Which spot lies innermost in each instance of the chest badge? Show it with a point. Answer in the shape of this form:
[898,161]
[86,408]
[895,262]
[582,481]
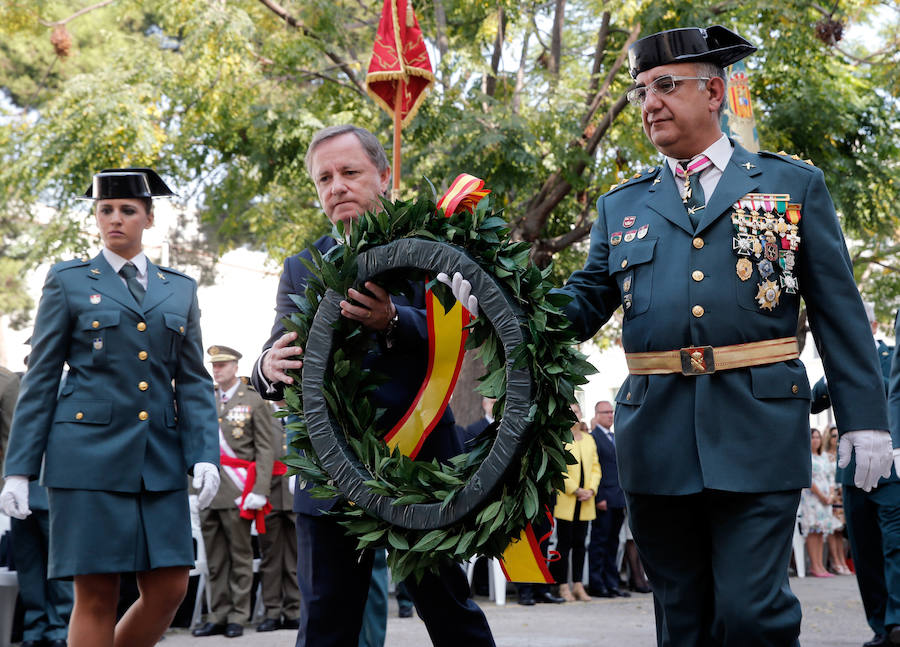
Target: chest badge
[615,239]
[95,299]
[744,268]
[98,343]
[630,235]
[642,232]
[629,221]
[768,294]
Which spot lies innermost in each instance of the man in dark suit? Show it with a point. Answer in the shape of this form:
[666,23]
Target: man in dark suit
[350,171]
[603,579]
[709,255]
[873,518]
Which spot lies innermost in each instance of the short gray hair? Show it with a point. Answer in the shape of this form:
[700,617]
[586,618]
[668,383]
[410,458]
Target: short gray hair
[369,142]
[712,70]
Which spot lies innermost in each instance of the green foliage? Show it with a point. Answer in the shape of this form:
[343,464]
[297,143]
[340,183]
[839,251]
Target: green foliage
[547,353]
[222,98]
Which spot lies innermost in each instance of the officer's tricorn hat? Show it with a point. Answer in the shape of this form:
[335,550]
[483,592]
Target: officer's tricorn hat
[223,354]
[115,183]
[714,44]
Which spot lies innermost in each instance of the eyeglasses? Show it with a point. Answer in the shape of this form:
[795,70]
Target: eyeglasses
[610,411]
[659,86]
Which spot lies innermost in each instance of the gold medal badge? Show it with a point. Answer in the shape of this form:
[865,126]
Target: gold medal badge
[768,294]
[744,268]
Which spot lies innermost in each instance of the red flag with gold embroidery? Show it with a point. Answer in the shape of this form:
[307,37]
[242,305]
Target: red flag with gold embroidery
[399,54]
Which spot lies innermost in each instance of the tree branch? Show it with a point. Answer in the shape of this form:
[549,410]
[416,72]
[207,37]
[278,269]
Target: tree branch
[282,13]
[77,14]
[490,80]
[520,74]
[616,66]
[440,23]
[599,50]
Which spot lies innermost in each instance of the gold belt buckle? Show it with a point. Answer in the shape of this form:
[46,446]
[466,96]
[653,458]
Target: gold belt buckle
[698,360]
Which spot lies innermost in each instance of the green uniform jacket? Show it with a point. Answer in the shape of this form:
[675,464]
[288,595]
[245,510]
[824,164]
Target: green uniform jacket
[137,405]
[249,429]
[741,430]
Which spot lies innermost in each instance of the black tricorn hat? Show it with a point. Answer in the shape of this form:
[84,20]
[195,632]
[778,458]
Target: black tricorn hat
[714,44]
[113,183]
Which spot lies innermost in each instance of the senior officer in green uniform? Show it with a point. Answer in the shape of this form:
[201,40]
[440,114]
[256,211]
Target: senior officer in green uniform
[708,254]
[134,416]
[873,518]
[247,434]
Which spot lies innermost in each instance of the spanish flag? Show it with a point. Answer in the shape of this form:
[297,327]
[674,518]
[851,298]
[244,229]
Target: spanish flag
[399,55]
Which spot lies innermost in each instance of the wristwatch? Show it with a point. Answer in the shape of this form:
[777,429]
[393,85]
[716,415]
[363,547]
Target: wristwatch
[391,327]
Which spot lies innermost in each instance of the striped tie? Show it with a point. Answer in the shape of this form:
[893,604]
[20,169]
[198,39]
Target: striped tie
[693,197]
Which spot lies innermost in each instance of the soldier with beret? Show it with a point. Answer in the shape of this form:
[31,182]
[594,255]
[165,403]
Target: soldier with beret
[134,416]
[247,433]
[708,255]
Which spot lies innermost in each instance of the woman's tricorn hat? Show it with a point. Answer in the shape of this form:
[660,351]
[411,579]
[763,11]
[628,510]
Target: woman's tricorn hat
[714,44]
[114,183]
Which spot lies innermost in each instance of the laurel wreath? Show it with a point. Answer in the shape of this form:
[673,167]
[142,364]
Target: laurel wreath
[548,353]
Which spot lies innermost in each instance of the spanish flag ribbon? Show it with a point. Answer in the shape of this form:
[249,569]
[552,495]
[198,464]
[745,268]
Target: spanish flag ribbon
[399,56]
[465,192]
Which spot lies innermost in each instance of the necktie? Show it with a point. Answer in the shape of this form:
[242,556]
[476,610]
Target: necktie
[611,437]
[693,199]
[129,272]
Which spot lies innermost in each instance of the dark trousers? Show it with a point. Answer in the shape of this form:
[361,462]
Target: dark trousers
[602,551]
[334,581]
[718,565]
[47,603]
[873,528]
[570,536]
[278,566]
[229,554]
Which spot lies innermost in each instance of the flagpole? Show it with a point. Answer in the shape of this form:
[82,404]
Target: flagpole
[398,113]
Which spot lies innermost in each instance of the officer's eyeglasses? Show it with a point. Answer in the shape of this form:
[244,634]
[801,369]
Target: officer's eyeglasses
[659,86]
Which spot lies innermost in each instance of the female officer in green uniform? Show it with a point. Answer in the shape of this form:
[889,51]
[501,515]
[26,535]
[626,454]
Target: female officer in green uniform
[134,415]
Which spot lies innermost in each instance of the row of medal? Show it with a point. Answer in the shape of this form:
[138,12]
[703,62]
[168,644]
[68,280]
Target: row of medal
[766,227]
[238,416]
[628,236]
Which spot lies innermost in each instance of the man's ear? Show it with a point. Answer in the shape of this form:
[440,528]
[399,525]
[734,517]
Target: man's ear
[385,182]
[716,87]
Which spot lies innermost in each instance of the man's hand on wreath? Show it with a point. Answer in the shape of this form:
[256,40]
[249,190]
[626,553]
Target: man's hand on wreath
[374,310]
[462,290]
[278,360]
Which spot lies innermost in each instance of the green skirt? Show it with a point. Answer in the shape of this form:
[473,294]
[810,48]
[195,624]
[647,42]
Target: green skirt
[95,531]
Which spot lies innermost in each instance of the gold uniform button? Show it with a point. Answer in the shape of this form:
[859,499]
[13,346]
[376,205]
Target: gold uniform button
[697,311]
[628,397]
[181,329]
[698,243]
[141,326]
[142,355]
[697,275]
[795,389]
[95,324]
[143,386]
[79,416]
[624,263]
[143,415]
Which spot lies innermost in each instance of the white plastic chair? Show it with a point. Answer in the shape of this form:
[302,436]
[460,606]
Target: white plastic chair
[496,580]
[799,545]
[201,567]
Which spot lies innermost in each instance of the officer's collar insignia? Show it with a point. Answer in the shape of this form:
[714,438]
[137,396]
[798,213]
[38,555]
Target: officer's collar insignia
[657,180]
[748,165]
[94,270]
[161,276]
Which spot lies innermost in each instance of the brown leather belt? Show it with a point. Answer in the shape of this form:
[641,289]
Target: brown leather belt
[703,360]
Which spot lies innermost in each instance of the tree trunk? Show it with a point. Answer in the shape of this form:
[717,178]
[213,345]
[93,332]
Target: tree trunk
[559,19]
[520,74]
[440,22]
[490,81]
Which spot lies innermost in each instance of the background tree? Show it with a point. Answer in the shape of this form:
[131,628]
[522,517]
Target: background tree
[222,98]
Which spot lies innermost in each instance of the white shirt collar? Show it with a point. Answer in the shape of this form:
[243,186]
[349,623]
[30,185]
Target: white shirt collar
[230,392]
[719,153]
[117,262]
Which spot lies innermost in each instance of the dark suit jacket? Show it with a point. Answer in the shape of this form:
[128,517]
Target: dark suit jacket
[609,488]
[136,410]
[740,430]
[404,364]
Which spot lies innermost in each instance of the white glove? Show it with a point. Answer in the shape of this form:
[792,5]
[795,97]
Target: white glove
[206,482]
[292,483]
[254,501]
[462,290]
[14,497]
[897,461]
[874,456]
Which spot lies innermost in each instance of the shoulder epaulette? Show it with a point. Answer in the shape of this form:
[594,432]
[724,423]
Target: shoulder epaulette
[796,159]
[637,178]
[75,262]
[169,270]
